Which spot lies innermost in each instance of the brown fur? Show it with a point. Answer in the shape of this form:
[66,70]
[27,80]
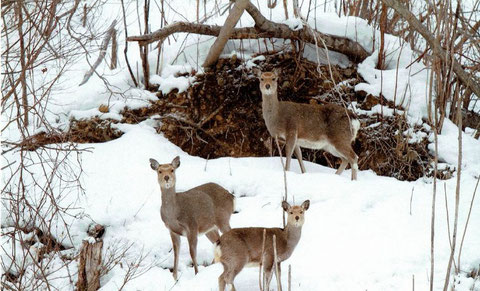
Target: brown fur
[203,209]
[240,247]
[329,127]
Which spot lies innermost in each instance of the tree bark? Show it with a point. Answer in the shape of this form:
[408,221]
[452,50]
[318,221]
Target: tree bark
[23,78]
[113,63]
[89,266]
[225,32]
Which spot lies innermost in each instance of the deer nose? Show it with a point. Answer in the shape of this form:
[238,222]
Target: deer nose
[166,178]
[297,218]
[267,86]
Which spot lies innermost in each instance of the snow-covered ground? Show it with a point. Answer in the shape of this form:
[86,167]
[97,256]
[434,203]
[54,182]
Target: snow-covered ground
[370,234]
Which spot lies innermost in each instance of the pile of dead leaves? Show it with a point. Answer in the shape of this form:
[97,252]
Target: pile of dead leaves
[220,115]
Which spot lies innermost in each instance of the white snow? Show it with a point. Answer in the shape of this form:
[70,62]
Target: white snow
[448,148]
[171,82]
[367,225]
[294,23]
[370,234]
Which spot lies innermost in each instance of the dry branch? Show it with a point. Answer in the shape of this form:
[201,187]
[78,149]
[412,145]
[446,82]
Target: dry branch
[103,52]
[264,28]
[463,76]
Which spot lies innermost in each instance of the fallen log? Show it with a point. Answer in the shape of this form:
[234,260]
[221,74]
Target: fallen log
[264,28]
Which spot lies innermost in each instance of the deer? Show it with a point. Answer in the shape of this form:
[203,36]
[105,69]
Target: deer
[329,127]
[241,247]
[204,209]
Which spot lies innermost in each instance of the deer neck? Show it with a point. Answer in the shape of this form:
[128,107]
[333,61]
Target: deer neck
[270,106]
[169,201]
[270,102]
[293,234]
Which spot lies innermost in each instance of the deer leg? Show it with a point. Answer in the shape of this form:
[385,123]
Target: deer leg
[298,154]
[221,282]
[213,235]
[354,167]
[230,271]
[176,248]
[192,243]
[346,152]
[342,167]
[267,277]
[353,161]
[290,141]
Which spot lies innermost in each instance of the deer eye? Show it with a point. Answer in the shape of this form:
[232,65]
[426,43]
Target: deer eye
[261,79]
[301,212]
[274,79]
[291,212]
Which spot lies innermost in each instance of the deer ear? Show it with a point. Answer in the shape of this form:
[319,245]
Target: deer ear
[285,206]
[176,162]
[154,164]
[306,204]
[257,72]
[277,71]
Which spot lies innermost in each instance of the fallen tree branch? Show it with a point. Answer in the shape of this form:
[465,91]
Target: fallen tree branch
[188,27]
[463,76]
[264,28]
[224,35]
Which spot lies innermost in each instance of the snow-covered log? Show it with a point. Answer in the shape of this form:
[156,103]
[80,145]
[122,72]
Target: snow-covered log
[264,28]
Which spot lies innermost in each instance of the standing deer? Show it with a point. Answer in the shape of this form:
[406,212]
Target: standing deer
[329,127]
[203,209]
[241,246]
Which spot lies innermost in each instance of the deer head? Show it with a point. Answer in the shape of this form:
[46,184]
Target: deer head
[166,172]
[268,81]
[296,214]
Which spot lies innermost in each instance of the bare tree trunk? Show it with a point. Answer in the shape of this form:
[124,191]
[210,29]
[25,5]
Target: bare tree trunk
[225,32]
[125,50]
[90,260]
[84,17]
[113,64]
[23,79]
[144,49]
[364,9]
[381,51]
[90,263]
[295,8]
[285,8]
